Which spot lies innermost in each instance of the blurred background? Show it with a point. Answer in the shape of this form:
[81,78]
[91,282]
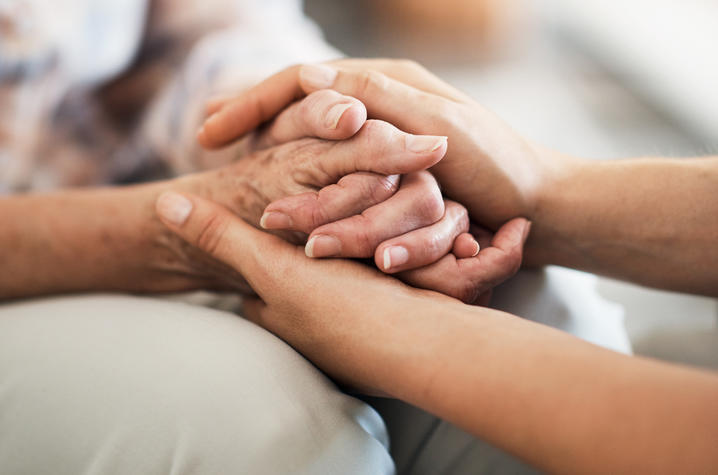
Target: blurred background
[595,78]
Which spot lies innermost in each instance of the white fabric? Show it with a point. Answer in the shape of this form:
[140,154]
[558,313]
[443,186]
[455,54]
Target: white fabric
[130,385]
[568,300]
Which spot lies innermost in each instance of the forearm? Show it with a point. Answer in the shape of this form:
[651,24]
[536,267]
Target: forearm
[90,240]
[561,404]
[650,221]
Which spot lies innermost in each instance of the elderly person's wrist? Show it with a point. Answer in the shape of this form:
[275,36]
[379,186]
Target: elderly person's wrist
[185,267]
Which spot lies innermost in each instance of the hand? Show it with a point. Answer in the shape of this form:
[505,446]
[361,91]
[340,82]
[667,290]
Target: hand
[488,168]
[339,193]
[424,257]
[411,233]
[298,293]
[355,174]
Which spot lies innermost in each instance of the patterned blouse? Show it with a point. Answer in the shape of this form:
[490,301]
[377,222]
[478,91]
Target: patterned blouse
[112,91]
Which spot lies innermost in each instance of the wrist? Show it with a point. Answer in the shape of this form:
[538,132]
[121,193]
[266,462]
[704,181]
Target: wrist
[176,265]
[553,201]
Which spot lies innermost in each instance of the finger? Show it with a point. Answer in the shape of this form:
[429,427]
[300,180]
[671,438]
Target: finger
[221,234]
[468,279]
[465,245]
[384,97]
[502,259]
[323,114]
[378,147]
[511,235]
[252,108]
[483,235]
[350,196]
[215,103]
[231,119]
[418,203]
[499,261]
[407,71]
[423,246]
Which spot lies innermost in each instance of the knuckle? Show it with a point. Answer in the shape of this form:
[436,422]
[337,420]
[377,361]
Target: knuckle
[210,234]
[389,184]
[377,135]
[378,130]
[379,189]
[363,236]
[444,112]
[442,107]
[459,213]
[307,106]
[467,291]
[431,206]
[324,96]
[410,65]
[304,162]
[315,104]
[435,246]
[370,82]
[463,221]
[316,215]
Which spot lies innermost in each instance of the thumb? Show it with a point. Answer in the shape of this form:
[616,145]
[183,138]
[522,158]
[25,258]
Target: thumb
[215,230]
[408,108]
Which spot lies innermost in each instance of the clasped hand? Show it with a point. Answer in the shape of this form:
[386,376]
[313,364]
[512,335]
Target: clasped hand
[322,175]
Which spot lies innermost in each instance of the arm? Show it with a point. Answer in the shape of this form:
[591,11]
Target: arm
[105,239]
[651,221]
[85,240]
[561,404]
[108,240]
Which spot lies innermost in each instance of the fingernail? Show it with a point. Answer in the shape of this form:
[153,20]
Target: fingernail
[424,143]
[174,207]
[395,256]
[317,76]
[477,247]
[275,220]
[335,114]
[323,246]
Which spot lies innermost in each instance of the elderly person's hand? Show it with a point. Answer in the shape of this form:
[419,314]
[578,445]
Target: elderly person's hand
[300,295]
[348,196]
[488,168]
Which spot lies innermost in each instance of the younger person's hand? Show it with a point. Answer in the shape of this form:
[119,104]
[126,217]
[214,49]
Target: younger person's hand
[294,288]
[489,168]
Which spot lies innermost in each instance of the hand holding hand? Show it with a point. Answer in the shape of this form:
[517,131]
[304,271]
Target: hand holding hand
[412,232]
[489,168]
[295,289]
